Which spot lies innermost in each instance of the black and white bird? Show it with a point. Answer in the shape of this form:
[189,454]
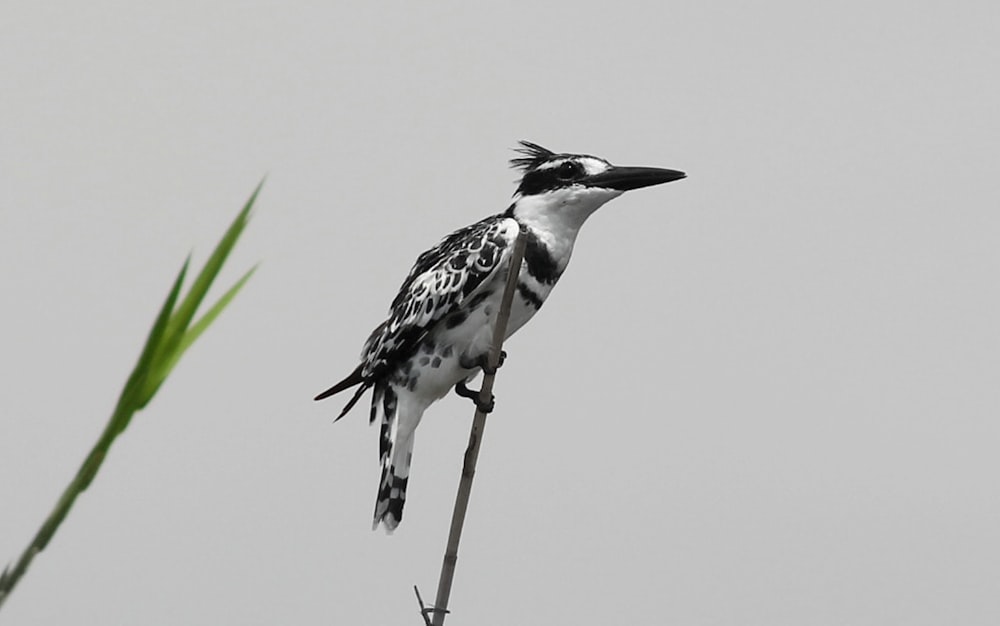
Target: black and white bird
[440,324]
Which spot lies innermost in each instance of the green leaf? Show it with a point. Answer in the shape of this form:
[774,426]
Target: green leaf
[181,319]
[198,328]
[171,335]
[136,381]
[206,320]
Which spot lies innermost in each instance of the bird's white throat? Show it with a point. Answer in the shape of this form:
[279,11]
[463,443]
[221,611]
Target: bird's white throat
[556,217]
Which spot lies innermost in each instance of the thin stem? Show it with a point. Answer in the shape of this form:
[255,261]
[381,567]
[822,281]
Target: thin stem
[476,437]
[10,576]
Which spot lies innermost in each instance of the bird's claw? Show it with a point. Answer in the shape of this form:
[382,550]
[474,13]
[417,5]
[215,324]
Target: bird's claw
[486,407]
[483,362]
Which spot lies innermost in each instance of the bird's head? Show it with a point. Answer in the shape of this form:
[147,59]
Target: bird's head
[568,188]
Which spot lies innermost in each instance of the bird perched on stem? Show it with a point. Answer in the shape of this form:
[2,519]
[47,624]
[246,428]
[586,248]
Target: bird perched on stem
[440,324]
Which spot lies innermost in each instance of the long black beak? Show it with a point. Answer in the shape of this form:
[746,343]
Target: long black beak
[628,178]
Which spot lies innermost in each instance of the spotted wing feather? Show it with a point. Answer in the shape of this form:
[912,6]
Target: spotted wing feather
[442,279]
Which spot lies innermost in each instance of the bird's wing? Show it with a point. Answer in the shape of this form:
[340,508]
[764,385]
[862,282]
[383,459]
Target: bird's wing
[442,280]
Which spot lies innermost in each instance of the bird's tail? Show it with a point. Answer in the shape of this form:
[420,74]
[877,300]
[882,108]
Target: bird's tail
[396,452]
[354,378]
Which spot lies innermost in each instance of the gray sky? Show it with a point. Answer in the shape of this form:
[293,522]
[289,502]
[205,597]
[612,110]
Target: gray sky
[763,395]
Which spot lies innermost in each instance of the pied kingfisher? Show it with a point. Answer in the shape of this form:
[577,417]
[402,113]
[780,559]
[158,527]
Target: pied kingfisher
[441,322]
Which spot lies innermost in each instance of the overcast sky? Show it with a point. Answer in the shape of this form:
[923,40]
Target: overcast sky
[763,395]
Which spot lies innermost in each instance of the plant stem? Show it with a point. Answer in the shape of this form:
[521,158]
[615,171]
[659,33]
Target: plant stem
[476,437]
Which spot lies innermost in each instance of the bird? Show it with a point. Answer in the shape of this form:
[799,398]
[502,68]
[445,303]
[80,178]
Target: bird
[440,324]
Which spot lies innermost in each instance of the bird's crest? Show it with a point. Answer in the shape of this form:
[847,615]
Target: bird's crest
[533,155]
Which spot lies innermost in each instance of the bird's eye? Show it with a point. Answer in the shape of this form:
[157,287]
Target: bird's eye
[568,170]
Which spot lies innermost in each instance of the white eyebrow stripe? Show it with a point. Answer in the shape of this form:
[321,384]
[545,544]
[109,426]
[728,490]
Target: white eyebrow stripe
[591,165]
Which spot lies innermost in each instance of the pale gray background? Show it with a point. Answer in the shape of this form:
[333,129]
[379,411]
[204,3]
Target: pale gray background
[763,395]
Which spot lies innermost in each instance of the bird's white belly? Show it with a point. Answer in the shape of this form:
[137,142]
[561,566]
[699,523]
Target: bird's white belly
[443,360]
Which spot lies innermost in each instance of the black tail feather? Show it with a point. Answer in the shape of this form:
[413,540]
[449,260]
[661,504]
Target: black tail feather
[354,399]
[355,378]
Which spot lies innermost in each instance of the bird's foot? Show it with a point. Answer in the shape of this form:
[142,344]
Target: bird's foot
[483,362]
[486,407]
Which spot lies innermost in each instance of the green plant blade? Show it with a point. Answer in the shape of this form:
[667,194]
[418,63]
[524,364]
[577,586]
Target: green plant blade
[206,320]
[195,331]
[169,337]
[186,310]
[150,351]
[178,324]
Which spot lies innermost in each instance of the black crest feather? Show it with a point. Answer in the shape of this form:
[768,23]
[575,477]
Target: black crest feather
[533,155]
